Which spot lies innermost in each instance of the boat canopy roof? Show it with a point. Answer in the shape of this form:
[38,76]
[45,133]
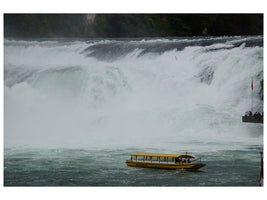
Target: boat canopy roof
[162,155]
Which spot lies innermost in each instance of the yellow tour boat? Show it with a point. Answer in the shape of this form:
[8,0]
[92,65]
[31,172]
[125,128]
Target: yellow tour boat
[165,161]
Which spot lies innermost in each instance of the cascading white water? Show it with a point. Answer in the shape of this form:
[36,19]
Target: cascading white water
[144,94]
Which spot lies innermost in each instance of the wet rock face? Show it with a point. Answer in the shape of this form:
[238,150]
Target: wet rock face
[206,75]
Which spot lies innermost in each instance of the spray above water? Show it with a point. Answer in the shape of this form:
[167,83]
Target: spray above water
[165,94]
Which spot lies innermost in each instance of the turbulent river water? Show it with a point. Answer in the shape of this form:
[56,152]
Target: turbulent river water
[74,110]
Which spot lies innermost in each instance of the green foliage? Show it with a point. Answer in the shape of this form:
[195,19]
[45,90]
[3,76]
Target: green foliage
[43,25]
[132,25]
[163,25]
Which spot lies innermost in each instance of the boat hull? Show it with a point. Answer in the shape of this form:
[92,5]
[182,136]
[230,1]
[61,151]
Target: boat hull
[252,119]
[165,165]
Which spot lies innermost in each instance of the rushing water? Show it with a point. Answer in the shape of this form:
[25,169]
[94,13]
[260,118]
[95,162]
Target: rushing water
[74,110]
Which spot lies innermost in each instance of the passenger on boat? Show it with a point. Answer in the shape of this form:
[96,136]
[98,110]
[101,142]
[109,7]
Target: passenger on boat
[248,113]
[257,115]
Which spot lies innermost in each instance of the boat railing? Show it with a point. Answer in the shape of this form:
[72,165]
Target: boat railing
[164,162]
[153,161]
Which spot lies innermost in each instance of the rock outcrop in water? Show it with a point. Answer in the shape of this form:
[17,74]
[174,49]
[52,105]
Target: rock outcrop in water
[206,75]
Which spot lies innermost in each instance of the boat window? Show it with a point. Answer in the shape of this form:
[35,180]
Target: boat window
[162,158]
[148,158]
[154,158]
[170,159]
[140,157]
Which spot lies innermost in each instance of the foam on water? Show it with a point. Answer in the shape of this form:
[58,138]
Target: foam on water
[62,94]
